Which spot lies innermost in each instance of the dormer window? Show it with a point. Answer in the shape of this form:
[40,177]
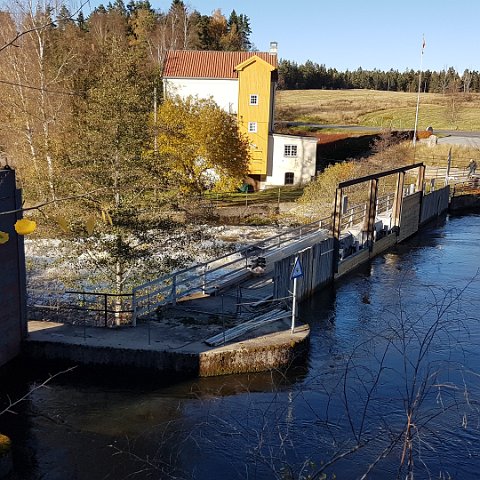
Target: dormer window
[254,99]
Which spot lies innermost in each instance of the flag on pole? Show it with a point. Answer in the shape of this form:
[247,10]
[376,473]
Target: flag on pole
[423,44]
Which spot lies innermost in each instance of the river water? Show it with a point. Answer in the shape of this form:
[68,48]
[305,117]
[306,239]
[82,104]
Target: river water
[391,384]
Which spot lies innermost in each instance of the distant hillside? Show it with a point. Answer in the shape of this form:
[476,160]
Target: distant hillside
[395,110]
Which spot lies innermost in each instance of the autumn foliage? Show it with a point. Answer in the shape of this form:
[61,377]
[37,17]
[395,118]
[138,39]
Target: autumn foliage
[200,146]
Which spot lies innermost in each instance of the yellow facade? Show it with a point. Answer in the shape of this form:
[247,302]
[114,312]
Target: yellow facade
[255,109]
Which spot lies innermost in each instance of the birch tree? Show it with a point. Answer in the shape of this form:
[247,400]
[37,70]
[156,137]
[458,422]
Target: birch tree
[35,98]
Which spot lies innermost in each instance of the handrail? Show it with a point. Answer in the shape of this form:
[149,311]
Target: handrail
[201,277]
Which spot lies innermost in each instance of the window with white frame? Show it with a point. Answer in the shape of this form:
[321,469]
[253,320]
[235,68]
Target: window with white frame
[290,151]
[253,99]
[252,127]
[289,178]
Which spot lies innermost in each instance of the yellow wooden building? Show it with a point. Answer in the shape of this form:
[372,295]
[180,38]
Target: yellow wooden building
[244,83]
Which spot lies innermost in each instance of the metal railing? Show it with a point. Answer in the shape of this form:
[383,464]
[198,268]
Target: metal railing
[209,277]
[468,186]
[356,214]
[353,216]
[385,203]
[446,176]
[109,309]
[79,307]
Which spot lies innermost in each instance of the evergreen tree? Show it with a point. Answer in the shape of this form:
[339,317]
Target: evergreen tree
[244,31]
[238,33]
[112,135]
[64,17]
[81,22]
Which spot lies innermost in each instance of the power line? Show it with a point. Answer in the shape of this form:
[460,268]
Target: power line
[40,89]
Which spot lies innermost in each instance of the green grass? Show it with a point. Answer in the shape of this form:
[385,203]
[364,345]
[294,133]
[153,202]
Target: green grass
[270,195]
[380,109]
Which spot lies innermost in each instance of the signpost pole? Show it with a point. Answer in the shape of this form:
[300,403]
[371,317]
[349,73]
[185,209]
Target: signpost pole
[297,272]
[294,304]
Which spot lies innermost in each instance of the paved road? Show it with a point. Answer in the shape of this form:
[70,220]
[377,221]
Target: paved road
[462,139]
[452,137]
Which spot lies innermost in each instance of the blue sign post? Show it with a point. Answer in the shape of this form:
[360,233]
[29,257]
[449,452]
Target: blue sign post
[297,273]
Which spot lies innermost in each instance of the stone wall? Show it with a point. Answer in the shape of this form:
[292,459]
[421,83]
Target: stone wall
[465,203]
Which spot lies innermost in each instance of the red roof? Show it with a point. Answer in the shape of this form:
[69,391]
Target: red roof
[208,64]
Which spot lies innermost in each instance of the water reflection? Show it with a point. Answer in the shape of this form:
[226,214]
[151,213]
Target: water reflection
[394,345]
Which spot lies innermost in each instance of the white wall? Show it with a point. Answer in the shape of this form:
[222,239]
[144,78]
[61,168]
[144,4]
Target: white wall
[303,165]
[224,92]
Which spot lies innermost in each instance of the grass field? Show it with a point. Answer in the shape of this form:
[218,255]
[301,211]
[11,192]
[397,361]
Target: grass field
[394,110]
[270,195]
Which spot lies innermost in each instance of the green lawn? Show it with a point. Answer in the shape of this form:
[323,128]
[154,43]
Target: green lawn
[270,195]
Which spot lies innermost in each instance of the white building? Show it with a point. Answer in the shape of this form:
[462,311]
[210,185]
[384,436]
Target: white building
[243,83]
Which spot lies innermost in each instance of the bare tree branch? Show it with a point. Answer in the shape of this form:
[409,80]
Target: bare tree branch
[13,403]
[44,204]
[11,43]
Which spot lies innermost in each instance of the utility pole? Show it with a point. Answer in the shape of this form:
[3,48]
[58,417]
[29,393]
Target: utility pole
[155,146]
[418,99]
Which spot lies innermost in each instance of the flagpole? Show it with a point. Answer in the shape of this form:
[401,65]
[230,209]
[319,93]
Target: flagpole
[418,98]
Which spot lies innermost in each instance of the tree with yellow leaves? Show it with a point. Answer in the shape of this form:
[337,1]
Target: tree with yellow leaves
[199,146]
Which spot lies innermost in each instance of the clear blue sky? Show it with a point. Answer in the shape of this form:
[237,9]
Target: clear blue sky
[360,33]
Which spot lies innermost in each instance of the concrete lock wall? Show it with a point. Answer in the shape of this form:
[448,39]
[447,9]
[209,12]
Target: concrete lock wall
[434,204]
[13,325]
[317,265]
[317,261]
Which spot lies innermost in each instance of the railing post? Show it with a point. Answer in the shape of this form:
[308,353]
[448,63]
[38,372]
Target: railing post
[337,228]
[369,220]
[134,308]
[174,290]
[398,200]
[105,307]
[204,278]
[421,178]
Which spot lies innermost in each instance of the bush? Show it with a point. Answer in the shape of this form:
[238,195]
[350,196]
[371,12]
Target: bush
[5,445]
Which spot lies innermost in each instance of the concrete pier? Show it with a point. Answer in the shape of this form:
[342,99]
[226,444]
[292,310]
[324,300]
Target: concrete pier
[151,345]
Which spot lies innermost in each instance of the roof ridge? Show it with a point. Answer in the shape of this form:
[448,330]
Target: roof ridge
[218,64]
